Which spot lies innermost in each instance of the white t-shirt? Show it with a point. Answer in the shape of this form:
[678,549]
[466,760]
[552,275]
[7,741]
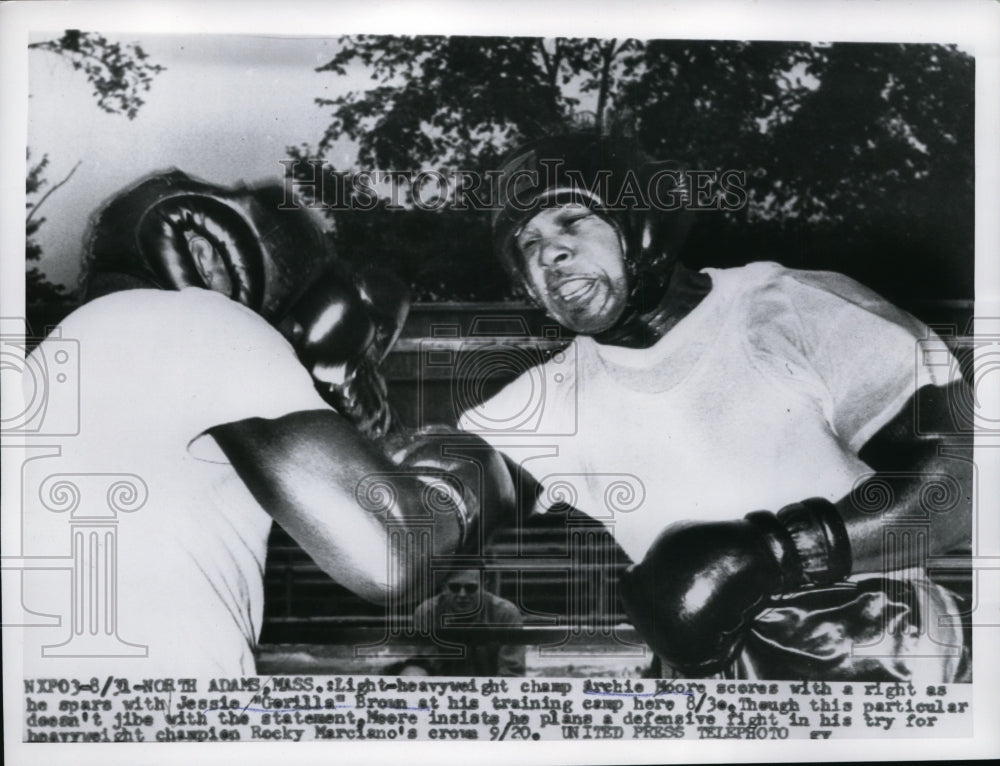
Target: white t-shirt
[760,397]
[156,369]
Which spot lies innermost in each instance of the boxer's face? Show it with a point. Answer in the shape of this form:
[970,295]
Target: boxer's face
[576,268]
[210,264]
[461,592]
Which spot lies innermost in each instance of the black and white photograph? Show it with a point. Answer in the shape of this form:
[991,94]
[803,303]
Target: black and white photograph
[574,385]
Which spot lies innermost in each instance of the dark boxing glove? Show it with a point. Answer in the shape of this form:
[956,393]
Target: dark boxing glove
[695,594]
[342,327]
[475,491]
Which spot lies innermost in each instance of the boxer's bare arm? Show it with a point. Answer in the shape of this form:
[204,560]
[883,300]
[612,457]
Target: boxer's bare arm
[305,469]
[695,593]
[923,472]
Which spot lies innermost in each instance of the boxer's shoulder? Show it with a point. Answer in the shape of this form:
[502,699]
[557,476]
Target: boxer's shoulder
[190,305]
[166,321]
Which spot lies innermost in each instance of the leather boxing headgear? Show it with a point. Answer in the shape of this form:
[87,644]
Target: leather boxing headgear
[171,231]
[641,198]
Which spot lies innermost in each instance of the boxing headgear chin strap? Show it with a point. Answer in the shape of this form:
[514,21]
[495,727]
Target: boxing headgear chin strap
[623,186]
[162,230]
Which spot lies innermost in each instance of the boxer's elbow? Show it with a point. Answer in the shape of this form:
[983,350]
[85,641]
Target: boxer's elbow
[396,584]
[368,579]
[378,592]
[395,572]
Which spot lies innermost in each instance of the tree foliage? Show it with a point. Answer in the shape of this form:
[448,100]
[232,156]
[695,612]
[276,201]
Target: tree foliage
[441,255]
[119,75]
[857,156]
[37,287]
[461,101]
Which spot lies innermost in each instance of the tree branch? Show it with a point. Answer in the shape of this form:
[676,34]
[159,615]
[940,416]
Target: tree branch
[48,194]
[607,56]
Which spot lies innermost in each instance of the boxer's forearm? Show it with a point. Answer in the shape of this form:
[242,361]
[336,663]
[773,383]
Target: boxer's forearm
[923,477]
[700,586]
[878,537]
[336,494]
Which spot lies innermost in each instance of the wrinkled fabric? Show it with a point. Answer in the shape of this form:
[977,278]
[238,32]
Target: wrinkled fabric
[874,629]
[157,370]
[762,396]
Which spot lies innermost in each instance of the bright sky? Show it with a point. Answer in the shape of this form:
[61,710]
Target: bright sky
[225,110]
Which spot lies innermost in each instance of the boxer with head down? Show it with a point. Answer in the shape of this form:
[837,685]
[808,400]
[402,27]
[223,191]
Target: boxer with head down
[230,362]
[756,405]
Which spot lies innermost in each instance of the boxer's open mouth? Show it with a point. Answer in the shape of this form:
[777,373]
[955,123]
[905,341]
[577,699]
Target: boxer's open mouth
[573,289]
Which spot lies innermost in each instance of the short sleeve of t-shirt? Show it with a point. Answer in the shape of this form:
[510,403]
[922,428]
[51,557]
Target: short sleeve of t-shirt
[842,343]
[198,358]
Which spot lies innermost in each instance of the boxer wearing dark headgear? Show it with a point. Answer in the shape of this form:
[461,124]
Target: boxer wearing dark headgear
[206,311]
[718,392]
[171,231]
[642,200]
